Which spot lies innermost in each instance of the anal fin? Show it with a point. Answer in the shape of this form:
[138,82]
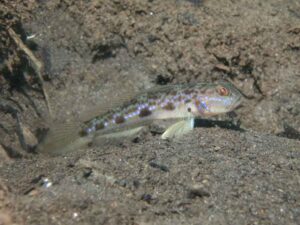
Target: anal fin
[178,129]
[116,135]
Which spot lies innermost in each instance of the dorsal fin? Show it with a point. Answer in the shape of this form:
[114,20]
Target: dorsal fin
[102,108]
[163,88]
[106,105]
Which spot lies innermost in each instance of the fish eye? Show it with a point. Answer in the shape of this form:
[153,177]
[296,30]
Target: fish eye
[223,91]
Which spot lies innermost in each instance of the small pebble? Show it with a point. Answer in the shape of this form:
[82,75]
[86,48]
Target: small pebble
[159,166]
[198,191]
[147,198]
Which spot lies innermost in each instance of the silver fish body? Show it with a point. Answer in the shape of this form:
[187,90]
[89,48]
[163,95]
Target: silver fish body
[169,102]
[184,102]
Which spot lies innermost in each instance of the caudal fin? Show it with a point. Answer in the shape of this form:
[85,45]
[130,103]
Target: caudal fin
[61,139]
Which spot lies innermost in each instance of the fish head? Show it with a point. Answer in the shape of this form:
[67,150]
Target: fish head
[219,98]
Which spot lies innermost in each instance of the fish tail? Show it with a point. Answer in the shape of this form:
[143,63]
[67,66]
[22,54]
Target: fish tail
[62,139]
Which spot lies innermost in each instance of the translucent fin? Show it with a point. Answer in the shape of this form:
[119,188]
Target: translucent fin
[162,88]
[109,104]
[61,139]
[120,134]
[171,87]
[178,129]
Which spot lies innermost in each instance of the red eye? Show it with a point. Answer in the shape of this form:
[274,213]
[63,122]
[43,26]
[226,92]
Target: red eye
[223,91]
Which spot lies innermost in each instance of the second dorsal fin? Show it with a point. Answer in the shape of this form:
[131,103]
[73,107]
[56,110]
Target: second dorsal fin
[108,104]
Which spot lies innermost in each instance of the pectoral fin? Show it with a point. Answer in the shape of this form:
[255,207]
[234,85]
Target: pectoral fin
[178,129]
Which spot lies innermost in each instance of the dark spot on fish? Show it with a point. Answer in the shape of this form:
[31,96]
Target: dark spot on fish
[187,100]
[145,112]
[99,126]
[119,119]
[189,109]
[83,133]
[169,106]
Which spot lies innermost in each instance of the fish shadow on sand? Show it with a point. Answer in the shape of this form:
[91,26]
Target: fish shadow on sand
[222,124]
